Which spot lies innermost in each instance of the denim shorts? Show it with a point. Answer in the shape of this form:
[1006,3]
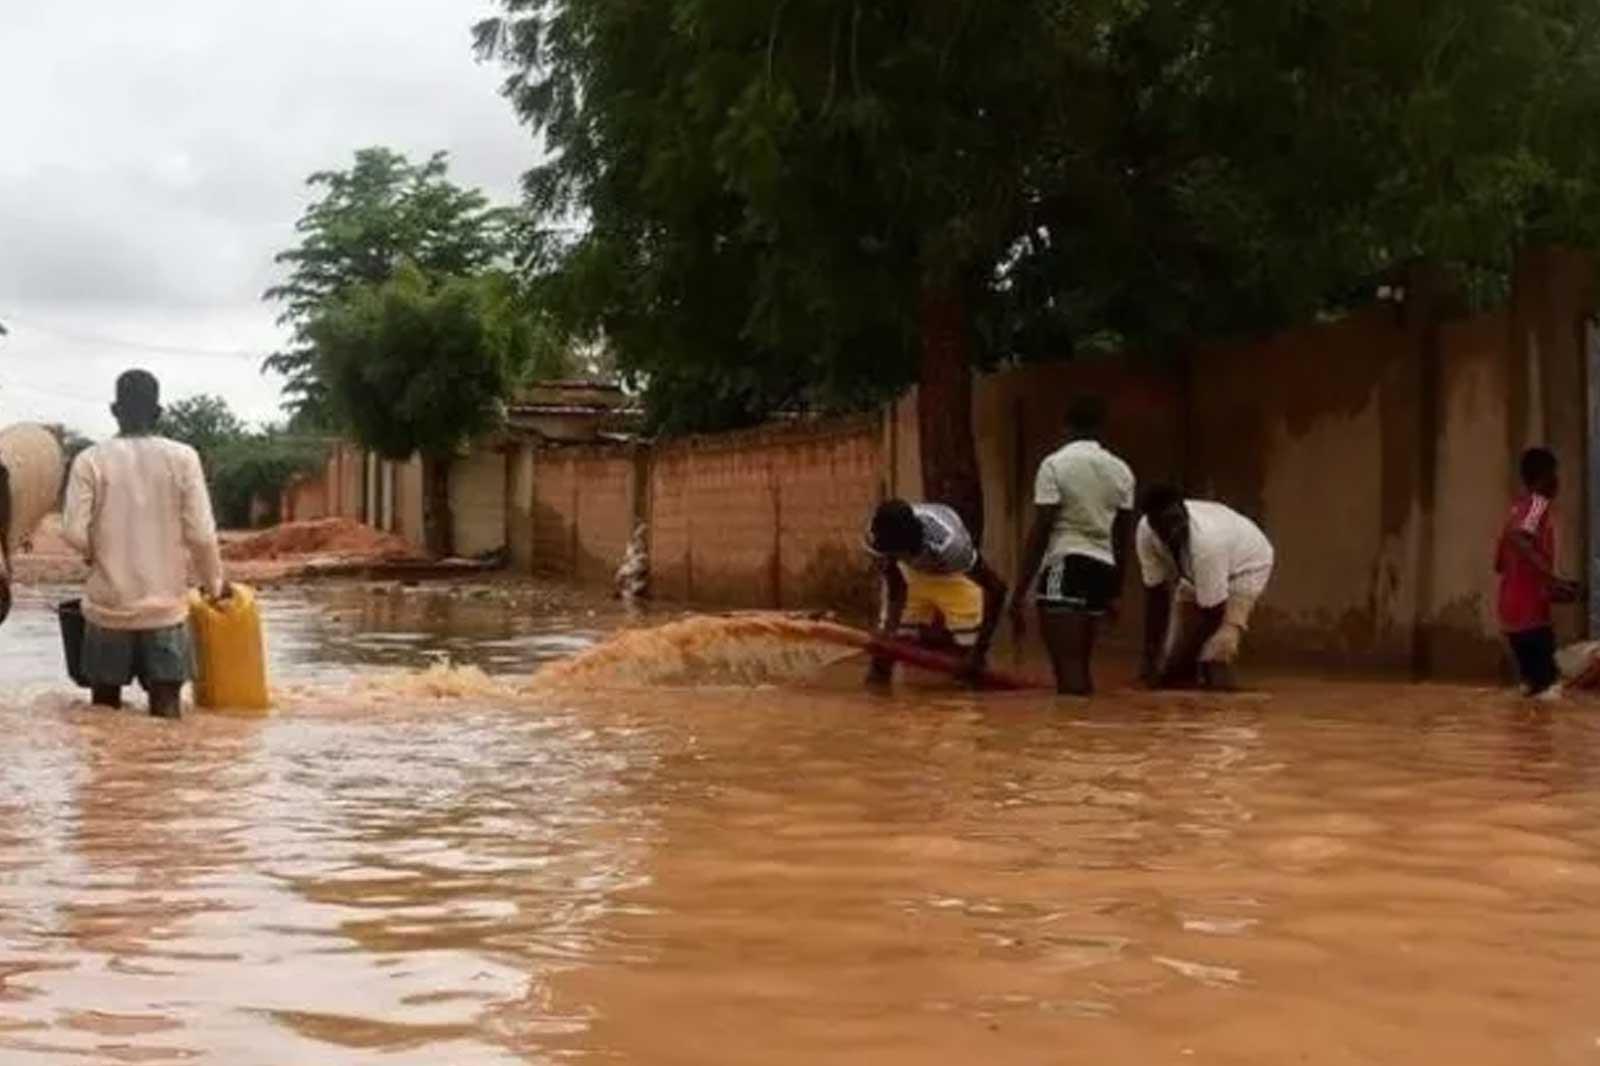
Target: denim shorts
[153,656]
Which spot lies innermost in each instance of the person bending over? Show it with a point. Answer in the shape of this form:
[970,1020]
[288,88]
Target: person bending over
[1204,566]
[937,590]
[138,510]
[1083,523]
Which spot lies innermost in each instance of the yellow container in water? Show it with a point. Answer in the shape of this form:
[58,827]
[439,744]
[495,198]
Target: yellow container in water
[229,653]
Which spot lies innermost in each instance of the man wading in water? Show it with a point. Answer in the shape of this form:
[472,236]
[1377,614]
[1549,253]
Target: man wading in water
[1082,529]
[1204,566]
[938,591]
[139,512]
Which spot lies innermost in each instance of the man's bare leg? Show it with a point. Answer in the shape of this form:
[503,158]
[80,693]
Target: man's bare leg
[166,700]
[108,696]
[1069,637]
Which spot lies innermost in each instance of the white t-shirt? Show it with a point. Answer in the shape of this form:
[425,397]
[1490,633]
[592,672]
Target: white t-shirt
[1090,485]
[1227,551]
[138,510]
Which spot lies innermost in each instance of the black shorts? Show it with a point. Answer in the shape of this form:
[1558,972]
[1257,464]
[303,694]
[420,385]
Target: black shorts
[1535,650]
[1078,584]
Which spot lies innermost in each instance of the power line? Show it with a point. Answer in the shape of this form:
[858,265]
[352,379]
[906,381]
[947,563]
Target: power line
[137,346]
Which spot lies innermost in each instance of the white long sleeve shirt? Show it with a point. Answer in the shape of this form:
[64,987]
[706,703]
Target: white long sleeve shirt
[139,511]
[1227,554]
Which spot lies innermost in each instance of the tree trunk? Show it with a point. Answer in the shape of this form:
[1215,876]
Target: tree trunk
[438,525]
[944,408]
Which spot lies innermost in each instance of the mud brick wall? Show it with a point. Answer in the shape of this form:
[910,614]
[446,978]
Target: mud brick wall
[583,511]
[768,518]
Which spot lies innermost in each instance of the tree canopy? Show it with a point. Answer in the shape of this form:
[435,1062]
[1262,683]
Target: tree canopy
[766,192]
[415,365]
[242,463]
[205,423]
[420,365]
[368,220]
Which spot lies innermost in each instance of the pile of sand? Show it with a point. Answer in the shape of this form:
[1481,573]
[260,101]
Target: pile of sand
[326,537]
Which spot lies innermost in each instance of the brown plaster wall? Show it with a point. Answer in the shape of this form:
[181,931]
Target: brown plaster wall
[1313,434]
[768,518]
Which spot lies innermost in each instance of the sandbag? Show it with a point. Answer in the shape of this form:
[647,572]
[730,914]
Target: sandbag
[35,468]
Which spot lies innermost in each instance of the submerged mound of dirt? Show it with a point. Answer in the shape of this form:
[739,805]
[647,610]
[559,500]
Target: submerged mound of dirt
[755,648]
[339,537]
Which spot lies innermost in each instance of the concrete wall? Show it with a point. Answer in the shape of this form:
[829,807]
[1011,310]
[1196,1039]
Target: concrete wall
[768,518]
[583,511]
[347,482]
[1314,434]
[409,491]
[1379,453]
[1472,485]
[519,508]
[478,502]
[304,499]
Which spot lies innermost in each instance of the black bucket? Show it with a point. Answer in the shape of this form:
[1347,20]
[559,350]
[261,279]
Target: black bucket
[72,624]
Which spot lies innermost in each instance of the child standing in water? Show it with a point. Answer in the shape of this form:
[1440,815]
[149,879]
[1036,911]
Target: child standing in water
[1525,559]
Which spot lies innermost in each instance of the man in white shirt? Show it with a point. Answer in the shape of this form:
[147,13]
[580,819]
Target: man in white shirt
[1082,525]
[1205,566]
[138,510]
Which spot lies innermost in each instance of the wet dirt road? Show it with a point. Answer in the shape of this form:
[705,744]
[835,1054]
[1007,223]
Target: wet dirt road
[1329,874]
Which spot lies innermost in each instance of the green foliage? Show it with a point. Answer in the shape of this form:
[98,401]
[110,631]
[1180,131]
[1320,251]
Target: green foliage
[260,465]
[369,220]
[1257,162]
[768,187]
[205,423]
[416,365]
[241,464]
[765,188]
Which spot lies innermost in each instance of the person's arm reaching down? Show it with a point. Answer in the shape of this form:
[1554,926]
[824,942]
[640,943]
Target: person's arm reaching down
[1159,574]
[994,602]
[894,608]
[1122,528]
[1044,521]
[1157,616]
[200,527]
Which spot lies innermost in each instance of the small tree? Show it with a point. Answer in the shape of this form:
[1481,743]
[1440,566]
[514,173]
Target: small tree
[420,366]
[205,423]
[261,465]
[370,219]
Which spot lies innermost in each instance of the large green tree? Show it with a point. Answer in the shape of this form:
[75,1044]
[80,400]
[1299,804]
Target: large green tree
[791,202]
[1244,164]
[777,203]
[367,220]
[420,365]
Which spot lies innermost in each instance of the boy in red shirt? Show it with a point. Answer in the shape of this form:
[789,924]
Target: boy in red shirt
[1526,561]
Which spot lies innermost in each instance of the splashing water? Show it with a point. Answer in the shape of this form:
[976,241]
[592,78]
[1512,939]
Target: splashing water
[443,681]
[745,649]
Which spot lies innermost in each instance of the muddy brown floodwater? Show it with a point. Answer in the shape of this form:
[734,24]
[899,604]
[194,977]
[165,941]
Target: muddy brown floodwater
[1327,874]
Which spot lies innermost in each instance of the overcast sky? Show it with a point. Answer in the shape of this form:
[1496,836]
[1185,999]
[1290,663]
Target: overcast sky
[153,158]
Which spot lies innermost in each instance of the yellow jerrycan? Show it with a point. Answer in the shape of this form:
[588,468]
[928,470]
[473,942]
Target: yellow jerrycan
[230,656]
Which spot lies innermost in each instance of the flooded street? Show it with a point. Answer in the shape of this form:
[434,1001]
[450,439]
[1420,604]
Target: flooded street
[1328,874]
